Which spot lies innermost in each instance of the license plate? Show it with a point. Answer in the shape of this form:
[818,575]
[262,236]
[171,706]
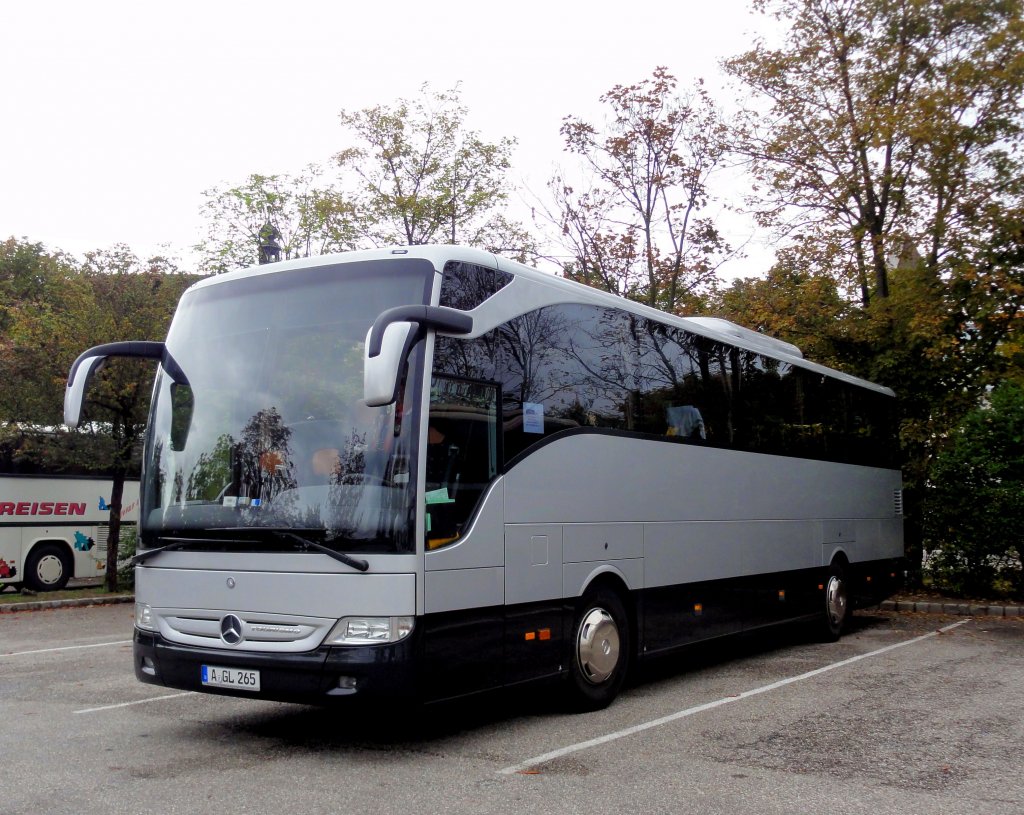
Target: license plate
[237,678]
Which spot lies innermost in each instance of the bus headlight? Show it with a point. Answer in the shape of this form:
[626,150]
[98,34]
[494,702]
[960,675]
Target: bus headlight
[369,630]
[144,618]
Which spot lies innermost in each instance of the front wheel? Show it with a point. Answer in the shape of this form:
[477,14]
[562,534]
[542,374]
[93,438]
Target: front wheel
[48,567]
[600,650]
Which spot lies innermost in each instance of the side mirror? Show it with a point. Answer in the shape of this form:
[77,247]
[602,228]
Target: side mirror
[390,339]
[89,362]
[381,372]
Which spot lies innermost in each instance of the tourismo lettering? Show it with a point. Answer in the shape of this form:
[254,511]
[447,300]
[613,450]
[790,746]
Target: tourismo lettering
[41,508]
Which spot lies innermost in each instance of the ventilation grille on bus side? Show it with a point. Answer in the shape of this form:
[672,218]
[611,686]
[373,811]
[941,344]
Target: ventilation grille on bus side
[897,502]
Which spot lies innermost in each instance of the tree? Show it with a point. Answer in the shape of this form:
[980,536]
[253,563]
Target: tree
[134,299]
[793,302]
[39,292]
[422,176]
[635,229]
[56,309]
[885,139]
[975,501]
[308,216]
[880,121]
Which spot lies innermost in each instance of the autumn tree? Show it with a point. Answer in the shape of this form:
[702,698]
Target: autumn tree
[880,121]
[794,302]
[42,300]
[134,299]
[421,175]
[54,308]
[305,214]
[884,137]
[637,224]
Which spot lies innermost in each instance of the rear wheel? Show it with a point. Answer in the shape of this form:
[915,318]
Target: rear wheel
[48,567]
[836,612]
[600,650]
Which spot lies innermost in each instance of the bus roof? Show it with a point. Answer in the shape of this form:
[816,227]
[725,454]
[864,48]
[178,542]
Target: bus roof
[713,328]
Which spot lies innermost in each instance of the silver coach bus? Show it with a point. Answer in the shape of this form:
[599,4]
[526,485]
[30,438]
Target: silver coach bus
[430,471]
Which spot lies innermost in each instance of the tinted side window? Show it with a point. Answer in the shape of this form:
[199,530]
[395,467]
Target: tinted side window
[575,366]
[671,390]
[465,286]
[560,367]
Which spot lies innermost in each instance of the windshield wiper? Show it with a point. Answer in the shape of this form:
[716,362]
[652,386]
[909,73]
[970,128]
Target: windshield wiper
[299,542]
[175,543]
[305,544]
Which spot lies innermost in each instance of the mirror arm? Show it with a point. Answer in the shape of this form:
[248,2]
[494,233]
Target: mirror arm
[132,348]
[90,361]
[441,318]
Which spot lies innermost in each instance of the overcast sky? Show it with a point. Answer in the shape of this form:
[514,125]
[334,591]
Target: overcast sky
[117,115]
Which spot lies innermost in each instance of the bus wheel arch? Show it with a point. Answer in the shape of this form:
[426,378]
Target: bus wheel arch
[49,565]
[600,644]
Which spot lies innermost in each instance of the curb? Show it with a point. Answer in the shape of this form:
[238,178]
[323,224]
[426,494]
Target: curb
[960,609]
[38,605]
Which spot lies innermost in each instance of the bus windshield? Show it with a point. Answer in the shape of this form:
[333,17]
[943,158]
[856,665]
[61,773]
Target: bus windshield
[269,430]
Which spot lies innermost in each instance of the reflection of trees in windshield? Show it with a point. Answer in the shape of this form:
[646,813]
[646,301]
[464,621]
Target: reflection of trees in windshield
[264,457]
[255,468]
[212,473]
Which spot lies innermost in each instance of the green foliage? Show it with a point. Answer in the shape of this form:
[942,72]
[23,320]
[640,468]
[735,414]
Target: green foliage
[310,216]
[32,449]
[421,176]
[974,510]
[42,301]
[414,173]
[795,304]
[53,310]
[126,551]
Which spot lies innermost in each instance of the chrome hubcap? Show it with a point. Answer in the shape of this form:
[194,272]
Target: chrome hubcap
[835,600]
[597,646]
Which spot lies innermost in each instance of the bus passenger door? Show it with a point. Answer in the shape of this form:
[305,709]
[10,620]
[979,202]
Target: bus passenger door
[464,592]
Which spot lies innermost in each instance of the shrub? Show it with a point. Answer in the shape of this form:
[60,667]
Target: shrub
[974,506]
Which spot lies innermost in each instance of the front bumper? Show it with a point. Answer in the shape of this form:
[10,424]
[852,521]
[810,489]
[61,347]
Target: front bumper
[325,676]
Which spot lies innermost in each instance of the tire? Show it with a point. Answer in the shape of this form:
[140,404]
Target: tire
[48,567]
[835,611]
[600,647]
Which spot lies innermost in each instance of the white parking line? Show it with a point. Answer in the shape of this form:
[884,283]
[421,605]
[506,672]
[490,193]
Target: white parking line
[64,648]
[629,731]
[136,702]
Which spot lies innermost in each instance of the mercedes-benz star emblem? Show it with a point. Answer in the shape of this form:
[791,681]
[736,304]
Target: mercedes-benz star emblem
[230,629]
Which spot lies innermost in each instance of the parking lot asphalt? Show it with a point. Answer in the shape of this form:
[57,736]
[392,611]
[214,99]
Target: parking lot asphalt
[908,713]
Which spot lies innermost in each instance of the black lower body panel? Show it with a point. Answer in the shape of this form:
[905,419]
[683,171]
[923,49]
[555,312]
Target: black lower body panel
[324,676]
